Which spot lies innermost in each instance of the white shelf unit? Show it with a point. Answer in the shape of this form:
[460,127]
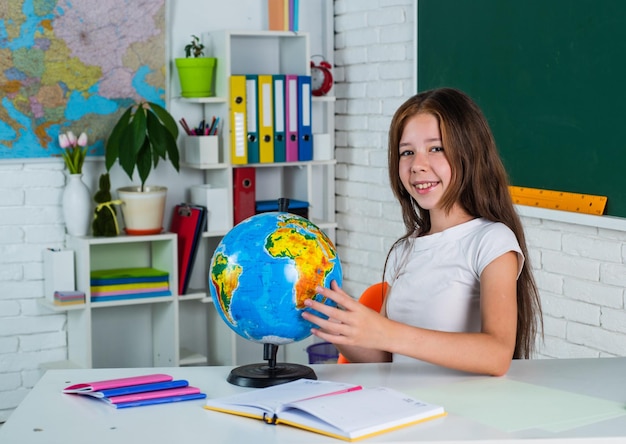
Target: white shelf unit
[139,332]
[261,52]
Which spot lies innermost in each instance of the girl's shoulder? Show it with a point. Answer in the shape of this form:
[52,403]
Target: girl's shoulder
[487,228]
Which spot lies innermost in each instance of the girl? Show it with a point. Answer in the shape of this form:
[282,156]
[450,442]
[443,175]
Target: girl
[461,293]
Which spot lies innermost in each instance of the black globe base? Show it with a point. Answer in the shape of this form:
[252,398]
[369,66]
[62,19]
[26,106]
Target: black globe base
[270,373]
[262,375]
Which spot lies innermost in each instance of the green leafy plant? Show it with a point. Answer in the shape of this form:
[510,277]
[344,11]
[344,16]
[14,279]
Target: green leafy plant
[145,133]
[195,47]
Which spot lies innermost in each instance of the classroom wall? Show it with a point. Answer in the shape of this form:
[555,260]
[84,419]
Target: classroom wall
[581,270]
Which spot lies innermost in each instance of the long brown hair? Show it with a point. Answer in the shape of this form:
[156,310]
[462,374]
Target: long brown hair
[479,184]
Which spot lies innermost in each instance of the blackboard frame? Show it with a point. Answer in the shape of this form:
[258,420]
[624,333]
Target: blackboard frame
[548,75]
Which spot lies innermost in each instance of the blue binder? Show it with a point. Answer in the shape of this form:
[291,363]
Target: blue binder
[279,118]
[252,113]
[305,133]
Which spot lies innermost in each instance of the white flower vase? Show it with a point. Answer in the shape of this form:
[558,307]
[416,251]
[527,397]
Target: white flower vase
[77,211]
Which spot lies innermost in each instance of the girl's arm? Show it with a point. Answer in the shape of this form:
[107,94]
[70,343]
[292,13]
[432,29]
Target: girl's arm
[355,328]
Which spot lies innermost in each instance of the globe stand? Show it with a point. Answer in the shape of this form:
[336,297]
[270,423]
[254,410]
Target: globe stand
[265,375]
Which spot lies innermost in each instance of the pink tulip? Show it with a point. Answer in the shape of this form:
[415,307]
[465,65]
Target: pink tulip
[72,138]
[82,139]
[64,141]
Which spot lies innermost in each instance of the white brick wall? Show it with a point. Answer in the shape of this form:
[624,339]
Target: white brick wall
[374,58]
[30,221]
[581,274]
[581,270]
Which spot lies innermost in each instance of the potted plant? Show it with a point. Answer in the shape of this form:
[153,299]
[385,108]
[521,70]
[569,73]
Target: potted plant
[144,134]
[195,72]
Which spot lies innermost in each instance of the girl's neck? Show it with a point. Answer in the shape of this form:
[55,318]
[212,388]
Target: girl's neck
[440,220]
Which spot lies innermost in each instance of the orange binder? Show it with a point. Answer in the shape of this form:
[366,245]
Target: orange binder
[188,222]
[276,15]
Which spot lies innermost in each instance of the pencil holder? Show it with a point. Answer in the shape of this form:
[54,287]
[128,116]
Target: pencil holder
[201,150]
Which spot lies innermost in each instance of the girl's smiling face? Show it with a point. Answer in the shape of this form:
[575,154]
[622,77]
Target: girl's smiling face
[424,169]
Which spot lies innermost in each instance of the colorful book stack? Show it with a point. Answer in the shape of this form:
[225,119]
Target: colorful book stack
[63,298]
[128,283]
[137,390]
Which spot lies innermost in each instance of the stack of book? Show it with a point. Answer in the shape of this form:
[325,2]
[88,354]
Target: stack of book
[63,298]
[128,283]
[137,390]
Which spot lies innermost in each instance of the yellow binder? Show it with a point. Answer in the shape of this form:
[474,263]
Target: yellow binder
[238,131]
[266,119]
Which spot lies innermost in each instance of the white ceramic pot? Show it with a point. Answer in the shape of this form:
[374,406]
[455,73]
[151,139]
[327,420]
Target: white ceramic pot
[143,210]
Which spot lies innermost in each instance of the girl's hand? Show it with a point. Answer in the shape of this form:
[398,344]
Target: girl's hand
[351,323]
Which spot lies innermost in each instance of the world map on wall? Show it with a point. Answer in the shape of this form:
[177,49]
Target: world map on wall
[75,65]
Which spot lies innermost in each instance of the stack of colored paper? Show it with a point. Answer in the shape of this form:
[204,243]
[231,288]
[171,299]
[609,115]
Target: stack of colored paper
[128,283]
[138,390]
[69,297]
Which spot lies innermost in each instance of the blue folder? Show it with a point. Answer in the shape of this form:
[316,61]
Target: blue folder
[305,133]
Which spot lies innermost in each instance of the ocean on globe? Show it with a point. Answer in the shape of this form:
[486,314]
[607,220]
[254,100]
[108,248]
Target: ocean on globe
[263,270]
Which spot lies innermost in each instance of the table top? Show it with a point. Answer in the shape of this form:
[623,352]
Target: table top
[565,400]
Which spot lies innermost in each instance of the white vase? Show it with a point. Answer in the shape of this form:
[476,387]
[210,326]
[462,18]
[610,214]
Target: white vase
[77,211]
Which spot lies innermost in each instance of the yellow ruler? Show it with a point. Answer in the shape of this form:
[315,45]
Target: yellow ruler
[558,200]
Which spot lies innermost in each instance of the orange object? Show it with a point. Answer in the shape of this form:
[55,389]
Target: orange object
[558,200]
[372,297]
[276,15]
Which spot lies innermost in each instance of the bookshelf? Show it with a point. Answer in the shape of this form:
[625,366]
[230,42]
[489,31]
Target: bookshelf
[242,52]
[140,332]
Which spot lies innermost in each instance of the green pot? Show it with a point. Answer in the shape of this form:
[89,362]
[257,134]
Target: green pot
[196,76]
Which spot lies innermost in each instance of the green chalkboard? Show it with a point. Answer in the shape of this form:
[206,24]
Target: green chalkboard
[550,76]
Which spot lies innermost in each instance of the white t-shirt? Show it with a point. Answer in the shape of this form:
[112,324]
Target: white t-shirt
[435,279]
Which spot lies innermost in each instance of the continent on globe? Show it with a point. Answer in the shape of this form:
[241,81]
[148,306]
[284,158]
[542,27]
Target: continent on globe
[263,270]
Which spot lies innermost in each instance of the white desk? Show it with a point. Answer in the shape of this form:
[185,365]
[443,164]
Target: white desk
[48,416]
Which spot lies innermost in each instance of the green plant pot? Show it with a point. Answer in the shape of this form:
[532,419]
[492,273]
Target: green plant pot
[196,76]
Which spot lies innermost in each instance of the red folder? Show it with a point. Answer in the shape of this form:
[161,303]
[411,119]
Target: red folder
[244,193]
[188,222]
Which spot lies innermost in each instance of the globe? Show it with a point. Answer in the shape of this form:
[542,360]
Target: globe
[264,269]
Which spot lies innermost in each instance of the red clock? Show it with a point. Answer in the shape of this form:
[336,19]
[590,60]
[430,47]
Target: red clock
[321,78]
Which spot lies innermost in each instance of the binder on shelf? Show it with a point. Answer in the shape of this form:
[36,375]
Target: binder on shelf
[266,119]
[188,222]
[239,133]
[244,193]
[252,118]
[294,12]
[278,18]
[291,118]
[278,88]
[305,133]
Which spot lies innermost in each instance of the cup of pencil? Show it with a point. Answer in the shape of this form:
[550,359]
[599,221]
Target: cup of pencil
[201,142]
